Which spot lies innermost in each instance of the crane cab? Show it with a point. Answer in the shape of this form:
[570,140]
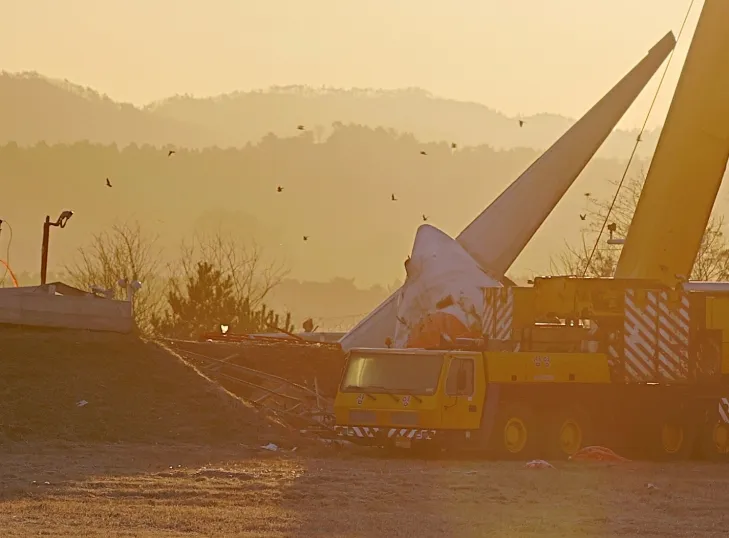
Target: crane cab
[405,396]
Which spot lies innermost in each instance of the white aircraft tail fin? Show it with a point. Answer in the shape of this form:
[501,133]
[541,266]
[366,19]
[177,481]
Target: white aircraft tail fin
[499,234]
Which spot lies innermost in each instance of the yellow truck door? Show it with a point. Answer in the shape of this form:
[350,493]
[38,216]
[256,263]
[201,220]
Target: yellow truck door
[464,392]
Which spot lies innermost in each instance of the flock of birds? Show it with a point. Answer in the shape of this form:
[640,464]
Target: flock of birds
[393,198]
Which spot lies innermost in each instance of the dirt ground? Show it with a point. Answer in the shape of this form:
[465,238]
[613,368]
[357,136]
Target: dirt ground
[141,490]
[113,436]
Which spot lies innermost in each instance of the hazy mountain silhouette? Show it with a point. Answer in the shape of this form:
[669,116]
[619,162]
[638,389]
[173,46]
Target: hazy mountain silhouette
[35,108]
[59,141]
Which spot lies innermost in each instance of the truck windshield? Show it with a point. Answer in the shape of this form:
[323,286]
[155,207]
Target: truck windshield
[389,372]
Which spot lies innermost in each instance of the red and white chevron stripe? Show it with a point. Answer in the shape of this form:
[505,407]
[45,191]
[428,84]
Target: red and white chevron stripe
[498,313]
[363,431]
[656,337]
[724,410]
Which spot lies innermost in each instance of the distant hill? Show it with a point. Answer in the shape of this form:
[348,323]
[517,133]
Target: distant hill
[244,116]
[35,108]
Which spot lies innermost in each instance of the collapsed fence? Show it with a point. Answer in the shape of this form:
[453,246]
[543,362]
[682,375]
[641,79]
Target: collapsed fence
[301,406]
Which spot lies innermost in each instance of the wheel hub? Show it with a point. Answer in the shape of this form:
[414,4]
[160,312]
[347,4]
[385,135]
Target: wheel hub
[515,435]
[570,437]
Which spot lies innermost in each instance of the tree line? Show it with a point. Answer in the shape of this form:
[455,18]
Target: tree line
[337,192]
[216,281]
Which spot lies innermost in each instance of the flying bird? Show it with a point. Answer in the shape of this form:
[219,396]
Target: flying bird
[392,197]
[425,217]
[453,145]
[108,183]
[306,238]
[279,188]
[171,153]
[521,123]
[588,194]
[300,127]
[583,217]
[423,153]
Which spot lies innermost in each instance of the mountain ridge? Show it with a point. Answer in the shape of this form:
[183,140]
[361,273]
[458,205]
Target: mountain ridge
[39,108]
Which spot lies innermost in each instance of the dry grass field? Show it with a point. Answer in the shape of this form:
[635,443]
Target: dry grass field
[120,490]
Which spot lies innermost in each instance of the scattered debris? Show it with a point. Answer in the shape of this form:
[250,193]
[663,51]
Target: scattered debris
[271,447]
[296,361]
[82,403]
[597,453]
[539,464]
[222,473]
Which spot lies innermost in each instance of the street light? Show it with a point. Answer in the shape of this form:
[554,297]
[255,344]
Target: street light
[61,223]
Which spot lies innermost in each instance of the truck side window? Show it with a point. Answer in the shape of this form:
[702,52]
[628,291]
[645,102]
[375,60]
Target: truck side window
[462,368]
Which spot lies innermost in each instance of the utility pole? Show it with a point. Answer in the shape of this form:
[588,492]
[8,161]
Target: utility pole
[44,249]
[61,223]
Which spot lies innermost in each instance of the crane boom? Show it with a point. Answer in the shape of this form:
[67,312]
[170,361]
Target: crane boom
[680,189]
[497,236]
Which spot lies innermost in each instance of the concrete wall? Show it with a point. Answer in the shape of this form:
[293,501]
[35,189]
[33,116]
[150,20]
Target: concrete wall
[34,307]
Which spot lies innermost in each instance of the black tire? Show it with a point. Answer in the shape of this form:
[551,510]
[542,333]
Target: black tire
[714,437]
[515,434]
[672,437]
[565,431]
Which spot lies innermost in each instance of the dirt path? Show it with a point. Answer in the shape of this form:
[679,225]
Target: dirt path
[100,490]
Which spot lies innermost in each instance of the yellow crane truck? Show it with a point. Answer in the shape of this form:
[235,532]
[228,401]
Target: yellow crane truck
[634,366]
[639,363]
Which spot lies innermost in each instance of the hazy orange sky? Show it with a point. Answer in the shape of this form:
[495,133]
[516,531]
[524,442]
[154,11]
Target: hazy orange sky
[518,56]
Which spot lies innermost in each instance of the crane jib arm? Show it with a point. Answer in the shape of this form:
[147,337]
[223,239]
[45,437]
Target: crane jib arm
[690,160]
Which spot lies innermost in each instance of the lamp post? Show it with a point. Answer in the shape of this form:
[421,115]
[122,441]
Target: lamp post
[61,223]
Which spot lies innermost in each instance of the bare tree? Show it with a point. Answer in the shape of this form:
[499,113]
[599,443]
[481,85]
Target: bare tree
[123,251]
[253,275]
[712,259]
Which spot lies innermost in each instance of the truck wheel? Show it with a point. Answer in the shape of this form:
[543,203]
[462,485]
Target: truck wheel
[515,434]
[714,438]
[672,438]
[566,431]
